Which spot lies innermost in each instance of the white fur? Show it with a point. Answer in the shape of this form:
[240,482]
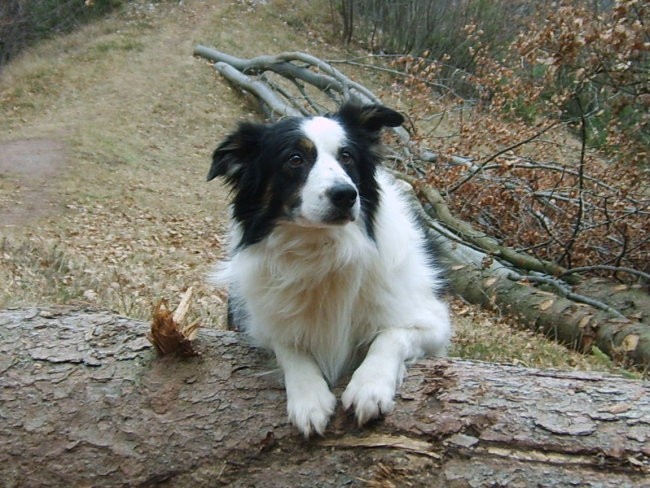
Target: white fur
[328,137]
[321,296]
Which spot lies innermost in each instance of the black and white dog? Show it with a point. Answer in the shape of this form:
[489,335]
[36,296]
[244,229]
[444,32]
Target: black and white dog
[329,266]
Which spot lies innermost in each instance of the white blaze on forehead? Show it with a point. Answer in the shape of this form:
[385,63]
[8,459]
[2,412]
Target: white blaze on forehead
[327,135]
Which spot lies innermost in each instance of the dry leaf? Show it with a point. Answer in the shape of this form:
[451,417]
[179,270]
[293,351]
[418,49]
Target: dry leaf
[630,342]
[546,304]
[490,281]
[584,321]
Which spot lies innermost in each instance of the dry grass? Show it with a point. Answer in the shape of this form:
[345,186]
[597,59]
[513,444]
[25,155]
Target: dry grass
[133,220]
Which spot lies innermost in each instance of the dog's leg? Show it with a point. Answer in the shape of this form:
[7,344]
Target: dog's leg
[372,388]
[310,403]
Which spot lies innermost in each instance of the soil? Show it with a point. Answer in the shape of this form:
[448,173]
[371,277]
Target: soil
[28,169]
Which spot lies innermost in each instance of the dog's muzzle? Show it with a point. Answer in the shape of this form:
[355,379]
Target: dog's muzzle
[342,198]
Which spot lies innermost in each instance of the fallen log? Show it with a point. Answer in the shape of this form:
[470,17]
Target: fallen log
[544,296]
[86,401]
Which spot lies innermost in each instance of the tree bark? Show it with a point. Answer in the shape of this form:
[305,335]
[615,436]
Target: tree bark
[578,312]
[87,402]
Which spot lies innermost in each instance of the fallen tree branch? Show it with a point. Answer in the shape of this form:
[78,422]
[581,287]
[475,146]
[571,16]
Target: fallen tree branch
[332,81]
[563,290]
[257,88]
[622,332]
[87,402]
[281,64]
[570,318]
[489,245]
[615,269]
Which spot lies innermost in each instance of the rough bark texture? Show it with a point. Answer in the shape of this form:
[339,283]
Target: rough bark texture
[87,402]
[574,324]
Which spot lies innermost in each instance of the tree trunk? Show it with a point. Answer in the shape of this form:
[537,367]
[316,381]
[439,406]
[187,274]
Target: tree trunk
[87,402]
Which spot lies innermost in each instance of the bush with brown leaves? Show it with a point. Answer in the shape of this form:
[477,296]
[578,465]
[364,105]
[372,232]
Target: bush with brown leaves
[554,133]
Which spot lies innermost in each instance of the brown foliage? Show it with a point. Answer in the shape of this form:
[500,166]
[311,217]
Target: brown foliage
[555,136]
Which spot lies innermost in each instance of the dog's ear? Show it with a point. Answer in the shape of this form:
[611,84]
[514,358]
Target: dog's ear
[372,118]
[238,149]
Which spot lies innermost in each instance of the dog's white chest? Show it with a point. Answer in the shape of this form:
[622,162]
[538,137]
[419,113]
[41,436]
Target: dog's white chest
[308,293]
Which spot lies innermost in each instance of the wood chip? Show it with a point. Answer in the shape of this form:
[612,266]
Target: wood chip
[385,441]
[169,333]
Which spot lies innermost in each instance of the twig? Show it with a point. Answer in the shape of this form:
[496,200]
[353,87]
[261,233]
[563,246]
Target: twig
[288,96]
[564,291]
[615,269]
[497,154]
[395,72]
[257,88]
[581,184]
[317,108]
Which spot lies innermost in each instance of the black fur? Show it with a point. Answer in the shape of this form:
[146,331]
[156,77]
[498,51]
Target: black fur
[255,161]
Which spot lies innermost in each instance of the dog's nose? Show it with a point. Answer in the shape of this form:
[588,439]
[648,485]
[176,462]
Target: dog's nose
[342,195]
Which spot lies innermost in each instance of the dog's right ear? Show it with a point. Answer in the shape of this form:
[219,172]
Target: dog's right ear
[237,150]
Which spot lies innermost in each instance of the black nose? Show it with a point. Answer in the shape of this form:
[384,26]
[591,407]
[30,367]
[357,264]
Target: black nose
[342,195]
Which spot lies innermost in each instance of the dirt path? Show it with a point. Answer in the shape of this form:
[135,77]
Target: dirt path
[28,168]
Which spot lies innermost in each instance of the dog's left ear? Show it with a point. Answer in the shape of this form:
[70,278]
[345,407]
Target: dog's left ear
[370,117]
[236,151]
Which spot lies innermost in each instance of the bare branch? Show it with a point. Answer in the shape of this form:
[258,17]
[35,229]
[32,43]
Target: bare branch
[257,88]
[333,80]
[581,185]
[614,269]
[480,167]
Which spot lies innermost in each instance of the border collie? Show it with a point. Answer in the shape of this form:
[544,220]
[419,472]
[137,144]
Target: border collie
[329,266]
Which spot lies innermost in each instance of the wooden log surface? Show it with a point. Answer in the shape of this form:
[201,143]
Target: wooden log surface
[85,401]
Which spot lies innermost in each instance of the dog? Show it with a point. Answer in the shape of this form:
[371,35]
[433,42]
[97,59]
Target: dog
[330,267]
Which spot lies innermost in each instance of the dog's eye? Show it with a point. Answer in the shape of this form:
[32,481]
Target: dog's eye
[345,157]
[296,160]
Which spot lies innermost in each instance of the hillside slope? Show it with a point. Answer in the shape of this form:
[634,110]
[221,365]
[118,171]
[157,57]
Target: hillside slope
[105,140]
[119,120]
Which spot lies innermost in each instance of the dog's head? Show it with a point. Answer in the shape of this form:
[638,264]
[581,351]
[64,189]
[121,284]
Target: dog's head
[313,172]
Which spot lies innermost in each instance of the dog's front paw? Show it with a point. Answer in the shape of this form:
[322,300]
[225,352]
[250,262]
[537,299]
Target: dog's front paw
[370,394]
[311,409]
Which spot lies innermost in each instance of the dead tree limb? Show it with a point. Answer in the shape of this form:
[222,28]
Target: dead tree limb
[257,88]
[616,320]
[331,81]
[86,401]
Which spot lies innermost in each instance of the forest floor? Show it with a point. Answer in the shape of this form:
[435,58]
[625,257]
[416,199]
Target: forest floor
[106,136]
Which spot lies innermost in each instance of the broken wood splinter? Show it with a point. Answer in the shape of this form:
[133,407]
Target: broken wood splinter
[169,333]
